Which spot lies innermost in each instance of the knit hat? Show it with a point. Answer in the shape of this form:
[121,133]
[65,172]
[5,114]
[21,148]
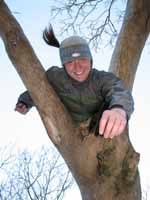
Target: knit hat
[72,48]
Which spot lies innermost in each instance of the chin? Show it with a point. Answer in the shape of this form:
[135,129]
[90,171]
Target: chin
[80,80]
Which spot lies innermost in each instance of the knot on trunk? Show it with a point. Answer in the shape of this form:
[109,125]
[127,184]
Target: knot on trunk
[130,166]
[109,164]
[12,38]
[128,180]
[106,160]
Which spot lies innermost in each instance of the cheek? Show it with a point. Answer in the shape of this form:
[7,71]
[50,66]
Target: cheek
[69,69]
[88,69]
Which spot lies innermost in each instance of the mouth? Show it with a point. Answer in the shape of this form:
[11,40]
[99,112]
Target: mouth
[78,73]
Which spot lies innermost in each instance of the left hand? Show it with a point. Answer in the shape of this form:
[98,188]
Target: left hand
[112,122]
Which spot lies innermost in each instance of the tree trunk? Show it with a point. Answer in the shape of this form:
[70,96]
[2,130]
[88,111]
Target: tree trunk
[103,169]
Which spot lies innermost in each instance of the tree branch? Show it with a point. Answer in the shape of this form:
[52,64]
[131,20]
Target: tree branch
[33,75]
[131,41]
[88,17]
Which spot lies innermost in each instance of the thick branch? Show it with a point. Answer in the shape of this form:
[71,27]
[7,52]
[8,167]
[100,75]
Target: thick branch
[131,40]
[33,75]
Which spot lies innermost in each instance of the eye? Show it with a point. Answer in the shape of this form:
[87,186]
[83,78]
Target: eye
[70,62]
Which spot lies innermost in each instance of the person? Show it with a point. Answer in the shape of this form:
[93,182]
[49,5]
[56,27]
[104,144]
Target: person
[83,89]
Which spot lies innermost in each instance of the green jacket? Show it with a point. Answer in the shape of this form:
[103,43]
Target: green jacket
[102,90]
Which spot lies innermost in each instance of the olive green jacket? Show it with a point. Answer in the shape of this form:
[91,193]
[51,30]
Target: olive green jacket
[102,90]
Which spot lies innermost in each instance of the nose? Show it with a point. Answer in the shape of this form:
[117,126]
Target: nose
[77,64]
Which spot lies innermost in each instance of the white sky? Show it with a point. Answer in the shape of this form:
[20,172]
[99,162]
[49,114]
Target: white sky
[28,131]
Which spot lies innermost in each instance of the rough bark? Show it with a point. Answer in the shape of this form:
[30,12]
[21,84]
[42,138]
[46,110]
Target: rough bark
[131,40]
[104,169]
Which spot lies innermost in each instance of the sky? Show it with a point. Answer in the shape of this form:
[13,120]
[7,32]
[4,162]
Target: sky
[27,131]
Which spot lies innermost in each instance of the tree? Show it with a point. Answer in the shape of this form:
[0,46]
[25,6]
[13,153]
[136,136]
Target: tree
[94,19]
[146,195]
[103,169]
[41,175]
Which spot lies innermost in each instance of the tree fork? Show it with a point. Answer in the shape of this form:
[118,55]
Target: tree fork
[104,169]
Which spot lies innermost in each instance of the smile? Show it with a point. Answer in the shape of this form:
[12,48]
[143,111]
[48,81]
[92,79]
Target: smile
[78,73]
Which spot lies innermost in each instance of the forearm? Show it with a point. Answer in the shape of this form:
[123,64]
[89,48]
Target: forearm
[116,95]
[124,101]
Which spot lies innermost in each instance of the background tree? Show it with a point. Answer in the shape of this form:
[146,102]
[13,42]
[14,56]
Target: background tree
[41,175]
[98,21]
[98,165]
[146,193]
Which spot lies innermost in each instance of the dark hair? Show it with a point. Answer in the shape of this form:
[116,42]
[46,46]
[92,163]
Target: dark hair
[49,37]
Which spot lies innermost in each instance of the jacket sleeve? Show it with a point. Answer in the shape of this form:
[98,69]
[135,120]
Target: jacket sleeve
[115,94]
[25,96]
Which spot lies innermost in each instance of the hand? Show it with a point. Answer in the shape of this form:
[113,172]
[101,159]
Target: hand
[21,108]
[112,122]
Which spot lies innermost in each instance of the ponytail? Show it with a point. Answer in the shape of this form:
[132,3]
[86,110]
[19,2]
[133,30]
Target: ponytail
[49,37]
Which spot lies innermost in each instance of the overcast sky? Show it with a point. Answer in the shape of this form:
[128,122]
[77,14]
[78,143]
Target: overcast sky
[28,131]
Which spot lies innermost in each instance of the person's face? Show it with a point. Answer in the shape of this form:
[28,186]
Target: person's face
[79,69]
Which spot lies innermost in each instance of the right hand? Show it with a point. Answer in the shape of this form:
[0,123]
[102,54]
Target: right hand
[21,108]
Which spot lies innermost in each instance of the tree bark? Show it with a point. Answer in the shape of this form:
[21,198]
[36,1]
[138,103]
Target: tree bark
[104,169]
[131,41]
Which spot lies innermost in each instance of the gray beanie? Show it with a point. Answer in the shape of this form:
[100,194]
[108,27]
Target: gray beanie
[74,47]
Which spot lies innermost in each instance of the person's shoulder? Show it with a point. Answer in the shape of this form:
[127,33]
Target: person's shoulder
[56,74]
[98,73]
[103,77]
[102,73]
[55,69]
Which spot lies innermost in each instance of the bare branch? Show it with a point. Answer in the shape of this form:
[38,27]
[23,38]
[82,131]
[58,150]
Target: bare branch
[5,157]
[92,18]
[39,176]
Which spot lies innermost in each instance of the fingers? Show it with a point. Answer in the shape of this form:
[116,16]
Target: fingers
[118,128]
[103,123]
[112,123]
[21,108]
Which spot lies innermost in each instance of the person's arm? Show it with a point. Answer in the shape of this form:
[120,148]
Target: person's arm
[24,103]
[115,94]
[120,106]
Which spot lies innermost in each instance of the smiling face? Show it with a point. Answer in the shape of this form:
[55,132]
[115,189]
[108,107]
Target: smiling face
[78,69]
